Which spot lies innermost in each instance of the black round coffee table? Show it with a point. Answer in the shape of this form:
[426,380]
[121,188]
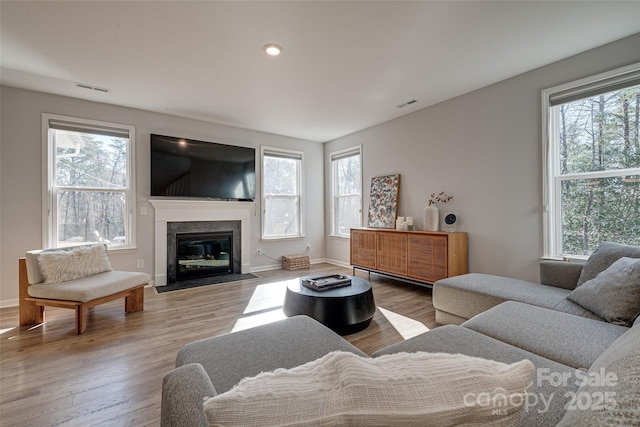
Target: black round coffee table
[346,310]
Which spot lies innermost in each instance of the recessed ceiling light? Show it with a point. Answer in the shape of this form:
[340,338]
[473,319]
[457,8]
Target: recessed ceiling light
[272,49]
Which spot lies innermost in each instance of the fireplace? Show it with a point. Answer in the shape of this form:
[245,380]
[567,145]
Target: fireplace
[203,254]
[197,249]
[167,211]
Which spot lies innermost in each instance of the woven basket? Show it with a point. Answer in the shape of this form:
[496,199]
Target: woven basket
[295,262]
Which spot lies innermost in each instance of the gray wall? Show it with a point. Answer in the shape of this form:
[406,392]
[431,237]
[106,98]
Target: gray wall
[21,178]
[485,149]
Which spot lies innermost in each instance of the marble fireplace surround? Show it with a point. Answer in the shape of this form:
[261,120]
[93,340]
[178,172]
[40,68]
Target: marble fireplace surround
[172,210]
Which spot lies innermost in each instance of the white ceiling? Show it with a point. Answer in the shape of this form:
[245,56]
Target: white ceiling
[345,65]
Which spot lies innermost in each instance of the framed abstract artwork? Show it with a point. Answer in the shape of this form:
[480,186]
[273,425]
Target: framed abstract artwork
[383,201]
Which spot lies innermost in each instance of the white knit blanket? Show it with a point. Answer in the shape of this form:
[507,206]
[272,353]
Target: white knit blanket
[404,389]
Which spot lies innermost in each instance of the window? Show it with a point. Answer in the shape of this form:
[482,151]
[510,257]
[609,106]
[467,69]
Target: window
[346,190]
[281,193]
[89,188]
[592,163]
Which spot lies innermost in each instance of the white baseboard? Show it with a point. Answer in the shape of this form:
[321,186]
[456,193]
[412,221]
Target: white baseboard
[266,268]
[338,263]
[14,302]
[9,303]
[311,261]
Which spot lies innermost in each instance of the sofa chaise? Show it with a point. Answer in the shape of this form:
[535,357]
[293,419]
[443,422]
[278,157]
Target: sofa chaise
[457,299]
[587,369]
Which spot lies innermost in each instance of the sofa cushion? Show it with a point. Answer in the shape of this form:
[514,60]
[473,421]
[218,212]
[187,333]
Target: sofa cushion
[90,288]
[33,258]
[606,254]
[545,405]
[614,294]
[405,389]
[77,263]
[571,340]
[283,344]
[470,294]
[610,395]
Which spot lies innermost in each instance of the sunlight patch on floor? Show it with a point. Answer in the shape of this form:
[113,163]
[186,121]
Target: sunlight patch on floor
[406,327]
[248,322]
[265,306]
[267,296]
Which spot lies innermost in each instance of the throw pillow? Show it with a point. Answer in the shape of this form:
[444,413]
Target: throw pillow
[606,254]
[614,294]
[81,261]
[403,389]
[614,380]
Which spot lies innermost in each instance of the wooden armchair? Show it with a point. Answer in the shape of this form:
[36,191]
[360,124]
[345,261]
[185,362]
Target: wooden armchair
[79,294]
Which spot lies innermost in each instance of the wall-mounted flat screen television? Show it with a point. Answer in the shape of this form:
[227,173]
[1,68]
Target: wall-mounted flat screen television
[188,168]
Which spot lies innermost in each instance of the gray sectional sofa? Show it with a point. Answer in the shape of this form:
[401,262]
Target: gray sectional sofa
[587,369]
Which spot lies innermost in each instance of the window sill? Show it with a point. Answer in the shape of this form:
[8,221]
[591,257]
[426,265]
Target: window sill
[122,249]
[339,236]
[569,258]
[281,239]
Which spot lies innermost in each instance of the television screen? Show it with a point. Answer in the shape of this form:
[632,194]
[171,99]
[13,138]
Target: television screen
[188,168]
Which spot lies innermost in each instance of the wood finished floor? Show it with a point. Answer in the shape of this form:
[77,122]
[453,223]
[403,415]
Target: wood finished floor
[112,374]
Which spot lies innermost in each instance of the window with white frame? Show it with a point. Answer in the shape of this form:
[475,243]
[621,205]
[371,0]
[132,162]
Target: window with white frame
[89,189]
[281,193]
[591,146]
[346,190]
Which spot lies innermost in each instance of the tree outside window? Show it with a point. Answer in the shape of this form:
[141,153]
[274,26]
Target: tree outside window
[281,195]
[595,185]
[89,189]
[346,187]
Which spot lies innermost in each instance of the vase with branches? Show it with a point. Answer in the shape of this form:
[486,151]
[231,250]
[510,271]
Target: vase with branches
[431,214]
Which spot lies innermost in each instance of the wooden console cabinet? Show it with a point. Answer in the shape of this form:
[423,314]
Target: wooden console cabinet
[418,256]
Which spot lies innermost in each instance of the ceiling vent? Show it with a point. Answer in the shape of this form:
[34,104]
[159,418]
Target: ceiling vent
[413,101]
[91,87]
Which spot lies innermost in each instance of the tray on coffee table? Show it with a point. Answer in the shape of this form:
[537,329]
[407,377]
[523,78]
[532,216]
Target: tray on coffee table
[325,282]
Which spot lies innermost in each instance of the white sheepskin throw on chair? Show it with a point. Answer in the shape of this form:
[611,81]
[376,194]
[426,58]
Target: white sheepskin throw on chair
[81,261]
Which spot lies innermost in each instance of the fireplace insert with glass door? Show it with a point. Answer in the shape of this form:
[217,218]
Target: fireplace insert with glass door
[203,254]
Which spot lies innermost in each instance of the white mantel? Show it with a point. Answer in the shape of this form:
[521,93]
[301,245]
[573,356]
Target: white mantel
[171,210]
